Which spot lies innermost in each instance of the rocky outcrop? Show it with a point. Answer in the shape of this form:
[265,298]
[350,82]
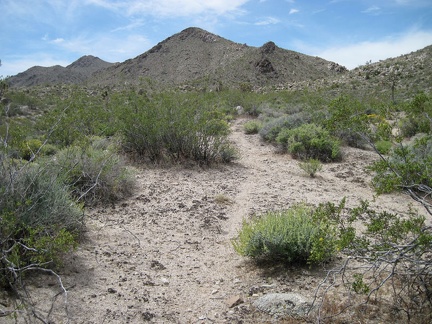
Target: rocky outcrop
[268,48]
[332,66]
[265,66]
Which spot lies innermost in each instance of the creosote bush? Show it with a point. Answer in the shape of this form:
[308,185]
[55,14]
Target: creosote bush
[289,236]
[175,128]
[407,167]
[418,115]
[389,256]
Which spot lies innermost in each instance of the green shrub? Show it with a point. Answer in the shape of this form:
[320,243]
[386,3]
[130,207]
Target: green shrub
[271,129]
[252,127]
[76,116]
[38,219]
[94,175]
[311,167]
[310,141]
[228,153]
[173,126]
[419,112]
[408,127]
[29,148]
[407,167]
[348,121]
[290,236]
[392,251]
[383,147]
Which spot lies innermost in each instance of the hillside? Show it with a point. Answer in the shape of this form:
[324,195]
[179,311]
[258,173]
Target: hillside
[197,57]
[193,57]
[75,73]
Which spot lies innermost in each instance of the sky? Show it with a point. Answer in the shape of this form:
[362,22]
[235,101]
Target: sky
[348,32]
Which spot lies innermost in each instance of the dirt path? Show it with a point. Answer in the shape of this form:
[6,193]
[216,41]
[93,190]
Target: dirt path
[165,255]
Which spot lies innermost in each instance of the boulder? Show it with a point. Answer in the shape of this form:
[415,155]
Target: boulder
[284,304]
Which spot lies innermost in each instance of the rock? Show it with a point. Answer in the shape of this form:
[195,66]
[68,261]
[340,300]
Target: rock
[282,304]
[234,301]
[240,110]
[268,48]
[336,67]
[265,66]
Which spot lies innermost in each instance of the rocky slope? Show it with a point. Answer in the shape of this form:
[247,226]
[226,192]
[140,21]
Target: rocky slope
[193,57]
[196,57]
[75,73]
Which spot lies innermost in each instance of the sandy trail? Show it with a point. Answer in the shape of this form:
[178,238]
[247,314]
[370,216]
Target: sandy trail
[165,255]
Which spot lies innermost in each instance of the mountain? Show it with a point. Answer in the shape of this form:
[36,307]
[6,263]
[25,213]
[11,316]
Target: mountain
[75,73]
[197,57]
[192,57]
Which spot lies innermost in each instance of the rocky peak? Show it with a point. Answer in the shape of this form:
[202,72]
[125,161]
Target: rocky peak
[268,48]
[194,32]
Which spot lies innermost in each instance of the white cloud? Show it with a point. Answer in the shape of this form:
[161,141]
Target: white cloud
[58,40]
[112,47]
[372,10]
[171,8]
[267,21]
[293,11]
[354,55]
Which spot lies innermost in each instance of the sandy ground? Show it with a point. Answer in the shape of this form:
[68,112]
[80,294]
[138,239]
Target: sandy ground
[165,255]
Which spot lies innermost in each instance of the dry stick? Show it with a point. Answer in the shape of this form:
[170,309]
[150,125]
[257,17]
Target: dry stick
[96,182]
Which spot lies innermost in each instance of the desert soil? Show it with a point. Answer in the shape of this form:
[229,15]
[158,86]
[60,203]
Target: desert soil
[165,254]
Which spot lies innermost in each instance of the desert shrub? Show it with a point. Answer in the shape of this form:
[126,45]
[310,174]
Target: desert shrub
[348,121]
[311,167]
[408,127]
[227,153]
[94,175]
[272,128]
[393,253]
[310,141]
[419,115]
[252,127]
[290,236]
[38,219]
[383,147]
[29,148]
[170,126]
[76,116]
[407,167]
[48,149]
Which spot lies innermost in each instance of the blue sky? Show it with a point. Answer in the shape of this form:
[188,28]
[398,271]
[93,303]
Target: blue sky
[349,32]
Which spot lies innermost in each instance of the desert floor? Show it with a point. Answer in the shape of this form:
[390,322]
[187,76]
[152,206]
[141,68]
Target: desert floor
[165,254]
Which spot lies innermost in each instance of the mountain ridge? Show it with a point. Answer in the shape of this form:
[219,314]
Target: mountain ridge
[197,59]
[75,73]
[192,56]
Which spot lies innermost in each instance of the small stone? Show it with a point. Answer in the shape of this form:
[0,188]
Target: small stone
[112,290]
[233,301]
